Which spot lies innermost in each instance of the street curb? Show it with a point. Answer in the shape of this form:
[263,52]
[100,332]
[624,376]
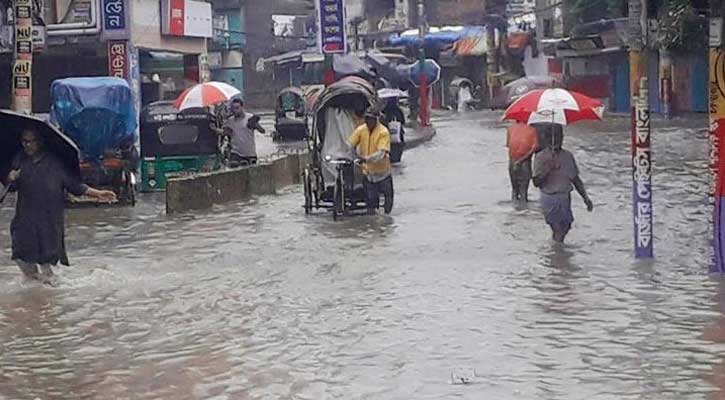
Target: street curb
[424,135]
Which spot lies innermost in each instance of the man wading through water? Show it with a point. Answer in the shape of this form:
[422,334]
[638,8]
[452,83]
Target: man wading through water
[240,128]
[372,143]
[556,175]
[38,228]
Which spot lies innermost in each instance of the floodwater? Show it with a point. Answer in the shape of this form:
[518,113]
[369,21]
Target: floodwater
[258,301]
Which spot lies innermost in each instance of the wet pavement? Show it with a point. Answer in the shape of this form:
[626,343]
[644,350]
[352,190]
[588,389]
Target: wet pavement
[258,301]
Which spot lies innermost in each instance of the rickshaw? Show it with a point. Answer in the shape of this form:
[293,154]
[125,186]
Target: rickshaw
[99,115]
[290,120]
[463,89]
[176,143]
[332,180]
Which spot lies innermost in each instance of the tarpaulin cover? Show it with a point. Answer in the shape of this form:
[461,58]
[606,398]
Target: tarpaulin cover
[97,113]
[443,36]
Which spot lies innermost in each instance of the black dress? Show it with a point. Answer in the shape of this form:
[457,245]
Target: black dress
[38,229]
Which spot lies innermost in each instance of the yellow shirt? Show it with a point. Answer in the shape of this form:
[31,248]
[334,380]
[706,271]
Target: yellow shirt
[367,144]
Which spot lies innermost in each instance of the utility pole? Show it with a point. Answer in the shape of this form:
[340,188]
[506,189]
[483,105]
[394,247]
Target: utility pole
[641,155]
[22,74]
[423,83]
[717,131]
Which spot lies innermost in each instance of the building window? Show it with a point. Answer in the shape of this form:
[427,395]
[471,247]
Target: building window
[548,28]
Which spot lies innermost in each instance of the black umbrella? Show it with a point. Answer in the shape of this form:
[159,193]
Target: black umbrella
[351,65]
[13,124]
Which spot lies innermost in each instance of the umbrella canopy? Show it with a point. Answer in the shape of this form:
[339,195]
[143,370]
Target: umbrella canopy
[13,124]
[351,65]
[205,95]
[557,106]
[513,90]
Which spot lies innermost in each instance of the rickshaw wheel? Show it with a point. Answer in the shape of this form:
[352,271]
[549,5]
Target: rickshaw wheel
[338,199]
[307,181]
[129,191]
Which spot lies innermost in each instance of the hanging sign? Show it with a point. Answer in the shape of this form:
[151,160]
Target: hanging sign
[118,59]
[115,19]
[331,20]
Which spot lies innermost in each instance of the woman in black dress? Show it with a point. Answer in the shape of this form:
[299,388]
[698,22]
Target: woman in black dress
[38,228]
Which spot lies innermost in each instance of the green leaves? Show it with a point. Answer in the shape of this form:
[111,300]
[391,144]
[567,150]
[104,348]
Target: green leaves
[680,28]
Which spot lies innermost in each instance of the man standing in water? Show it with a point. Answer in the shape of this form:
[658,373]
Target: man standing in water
[240,128]
[522,142]
[38,228]
[372,143]
[556,175]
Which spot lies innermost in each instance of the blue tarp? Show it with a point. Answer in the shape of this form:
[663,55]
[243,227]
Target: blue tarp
[439,38]
[97,113]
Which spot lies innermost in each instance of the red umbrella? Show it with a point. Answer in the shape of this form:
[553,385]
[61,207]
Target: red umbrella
[205,94]
[556,106]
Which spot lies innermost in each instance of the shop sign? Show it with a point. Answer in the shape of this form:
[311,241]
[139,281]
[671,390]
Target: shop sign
[118,59]
[188,18]
[115,19]
[331,20]
[69,16]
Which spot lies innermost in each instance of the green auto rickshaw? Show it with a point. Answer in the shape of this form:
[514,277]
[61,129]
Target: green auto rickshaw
[175,143]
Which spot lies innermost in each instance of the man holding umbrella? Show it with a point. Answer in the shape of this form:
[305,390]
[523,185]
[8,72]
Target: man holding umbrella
[556,174]
[38,228]
[555,170]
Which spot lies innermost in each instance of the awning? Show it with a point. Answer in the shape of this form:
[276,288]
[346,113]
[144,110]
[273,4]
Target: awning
[518,40]
[297,56]
[473,46]
[572,53]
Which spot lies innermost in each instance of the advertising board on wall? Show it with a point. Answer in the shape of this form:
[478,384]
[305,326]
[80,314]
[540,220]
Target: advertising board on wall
[187,18]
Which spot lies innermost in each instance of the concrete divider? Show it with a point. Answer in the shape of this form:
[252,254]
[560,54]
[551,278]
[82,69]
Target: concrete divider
[202,191]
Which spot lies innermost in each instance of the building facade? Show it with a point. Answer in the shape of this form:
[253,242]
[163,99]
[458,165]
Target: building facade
[158,46]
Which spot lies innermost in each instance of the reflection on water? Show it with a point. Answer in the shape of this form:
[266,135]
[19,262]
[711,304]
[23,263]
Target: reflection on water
[257,301]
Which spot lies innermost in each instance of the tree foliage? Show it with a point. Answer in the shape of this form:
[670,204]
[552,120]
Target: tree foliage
[680,28]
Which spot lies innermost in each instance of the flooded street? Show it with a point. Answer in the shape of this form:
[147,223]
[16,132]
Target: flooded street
[259,301]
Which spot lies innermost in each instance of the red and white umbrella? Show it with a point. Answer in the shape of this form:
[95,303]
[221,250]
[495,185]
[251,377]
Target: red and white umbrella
[556,106]
[205,94]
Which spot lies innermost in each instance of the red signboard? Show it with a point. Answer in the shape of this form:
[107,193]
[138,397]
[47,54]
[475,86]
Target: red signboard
[177,16]
[118,59]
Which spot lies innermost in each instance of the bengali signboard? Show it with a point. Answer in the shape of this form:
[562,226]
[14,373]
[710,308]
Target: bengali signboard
[118,59]
[642,176]
[331,21]
[716,97]
[115,19]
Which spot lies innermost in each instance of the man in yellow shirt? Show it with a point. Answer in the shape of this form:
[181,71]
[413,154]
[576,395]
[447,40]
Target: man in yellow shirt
[371,141]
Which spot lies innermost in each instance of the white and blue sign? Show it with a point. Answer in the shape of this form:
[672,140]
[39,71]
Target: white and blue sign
[430,69]
[115,19]
[331,20]
[642,178]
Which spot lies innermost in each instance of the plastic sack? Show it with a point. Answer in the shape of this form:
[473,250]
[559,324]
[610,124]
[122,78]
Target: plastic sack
[97,113]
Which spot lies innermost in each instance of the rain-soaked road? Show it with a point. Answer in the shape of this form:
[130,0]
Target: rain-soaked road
[257,301]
